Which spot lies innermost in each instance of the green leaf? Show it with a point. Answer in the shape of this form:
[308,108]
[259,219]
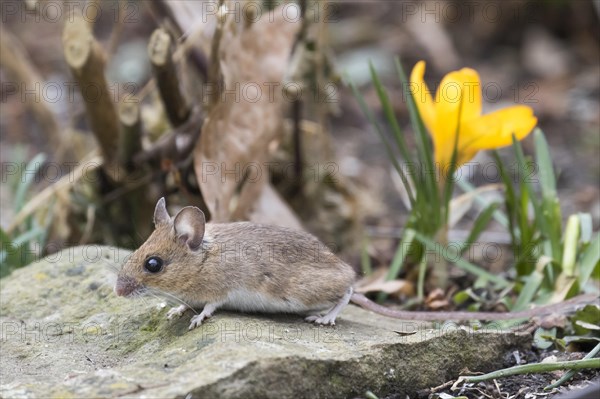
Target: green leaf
[544,339]
[570,245]
[532,285]
[480,224]
[16,252]
[585,220]
[588,314]
[461,297]
[27,179]
[590,259]
[546,169]
[575,339]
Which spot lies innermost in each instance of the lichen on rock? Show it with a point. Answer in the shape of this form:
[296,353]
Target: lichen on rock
[64,333]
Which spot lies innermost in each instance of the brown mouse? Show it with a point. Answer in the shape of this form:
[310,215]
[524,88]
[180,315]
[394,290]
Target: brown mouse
[249,267]
[239,266]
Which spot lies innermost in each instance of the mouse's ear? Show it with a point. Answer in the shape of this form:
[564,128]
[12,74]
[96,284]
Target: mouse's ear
[161,216]
[189,226]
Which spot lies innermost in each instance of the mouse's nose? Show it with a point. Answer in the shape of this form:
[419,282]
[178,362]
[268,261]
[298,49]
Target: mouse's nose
[125,286]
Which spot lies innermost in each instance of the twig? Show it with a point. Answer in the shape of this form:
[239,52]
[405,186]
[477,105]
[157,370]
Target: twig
[89,226]
[297,136]
[214,68]
[162,12]
[532,368]
[115,35]
[169,145]
[160,51]
[297,104]
[85,58]
[440,387]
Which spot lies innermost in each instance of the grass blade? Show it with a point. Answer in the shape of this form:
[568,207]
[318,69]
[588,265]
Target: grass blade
[400,255]
[550,207]
[398,260]
[369,114]
[480,224]
[365,259]
[400,142]
[461,263]
[498,215]
[424,147]
[389,113]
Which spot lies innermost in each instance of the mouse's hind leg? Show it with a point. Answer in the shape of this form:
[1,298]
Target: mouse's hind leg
[329,317]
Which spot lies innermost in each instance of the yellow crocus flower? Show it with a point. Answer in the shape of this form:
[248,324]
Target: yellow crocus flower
[460,93]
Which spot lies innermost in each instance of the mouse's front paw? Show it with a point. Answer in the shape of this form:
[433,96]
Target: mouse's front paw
[197,320]
[176,311]
[208,310]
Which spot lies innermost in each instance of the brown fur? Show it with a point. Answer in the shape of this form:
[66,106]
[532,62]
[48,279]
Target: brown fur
[279,263]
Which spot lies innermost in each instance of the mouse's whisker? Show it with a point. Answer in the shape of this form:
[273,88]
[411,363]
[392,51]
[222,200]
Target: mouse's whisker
[111,266]
[176,299]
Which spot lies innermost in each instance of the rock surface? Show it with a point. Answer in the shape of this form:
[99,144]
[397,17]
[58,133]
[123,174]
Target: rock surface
[65,334]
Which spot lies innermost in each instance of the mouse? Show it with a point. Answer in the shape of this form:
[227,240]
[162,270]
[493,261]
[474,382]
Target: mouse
[249,267]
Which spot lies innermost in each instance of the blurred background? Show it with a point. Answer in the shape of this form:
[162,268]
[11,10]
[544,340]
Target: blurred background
[544,54]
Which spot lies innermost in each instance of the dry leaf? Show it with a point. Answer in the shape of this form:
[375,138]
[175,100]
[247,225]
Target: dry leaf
[393,287]
[401,188]
[231,156]
[376,283]
[436,300]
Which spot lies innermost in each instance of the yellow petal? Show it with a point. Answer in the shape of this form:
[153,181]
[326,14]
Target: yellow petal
[458,98]
[459,93]
[444,150]
[422,95]
[495,129]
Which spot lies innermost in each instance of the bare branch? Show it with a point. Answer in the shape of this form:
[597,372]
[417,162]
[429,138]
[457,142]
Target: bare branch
[85,58]
[160,51]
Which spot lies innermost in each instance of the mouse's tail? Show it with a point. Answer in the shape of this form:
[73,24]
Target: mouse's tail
[560,307]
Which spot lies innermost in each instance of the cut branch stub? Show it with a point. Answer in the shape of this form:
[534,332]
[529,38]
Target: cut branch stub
[130,139]
[85,58]
[160,51]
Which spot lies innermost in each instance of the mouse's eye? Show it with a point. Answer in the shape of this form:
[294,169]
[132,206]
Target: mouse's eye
[153,264]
